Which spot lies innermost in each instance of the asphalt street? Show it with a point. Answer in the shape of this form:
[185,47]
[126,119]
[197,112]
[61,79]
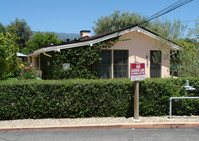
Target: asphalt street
[186,134]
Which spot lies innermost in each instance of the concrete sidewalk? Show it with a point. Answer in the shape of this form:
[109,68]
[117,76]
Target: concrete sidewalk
[98,123]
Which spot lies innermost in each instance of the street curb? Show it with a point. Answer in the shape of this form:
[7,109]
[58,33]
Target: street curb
[103,126]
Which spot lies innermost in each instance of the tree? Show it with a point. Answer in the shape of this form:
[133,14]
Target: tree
[2,29]
[40,40]
[193,41]
[186,62]
[167,29]
[115,21]
[22,30]
[195,31]
[8,55]
[194,34]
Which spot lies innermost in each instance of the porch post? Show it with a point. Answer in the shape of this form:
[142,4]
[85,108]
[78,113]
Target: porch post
[33,62]
[28,59]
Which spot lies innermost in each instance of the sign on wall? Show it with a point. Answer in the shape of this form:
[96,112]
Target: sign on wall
[137,71]
[66,66]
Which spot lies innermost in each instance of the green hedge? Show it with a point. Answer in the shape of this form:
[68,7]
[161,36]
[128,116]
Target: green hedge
[92,98]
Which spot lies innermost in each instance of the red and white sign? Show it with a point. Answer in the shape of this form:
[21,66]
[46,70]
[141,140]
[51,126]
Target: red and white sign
[137,71]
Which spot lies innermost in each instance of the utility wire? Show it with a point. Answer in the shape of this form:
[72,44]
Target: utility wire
[165,10]
[168,9]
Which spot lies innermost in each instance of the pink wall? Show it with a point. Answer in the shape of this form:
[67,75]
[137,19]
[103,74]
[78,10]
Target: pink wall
[139,45]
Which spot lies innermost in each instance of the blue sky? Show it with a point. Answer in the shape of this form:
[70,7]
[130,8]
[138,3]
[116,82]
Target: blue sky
[71,16]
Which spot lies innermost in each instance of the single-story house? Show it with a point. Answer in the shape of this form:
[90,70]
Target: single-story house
[136,44]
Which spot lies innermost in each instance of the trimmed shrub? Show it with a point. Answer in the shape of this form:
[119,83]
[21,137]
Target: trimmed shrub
[92,98]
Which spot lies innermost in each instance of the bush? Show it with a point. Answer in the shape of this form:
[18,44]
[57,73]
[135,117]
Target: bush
[92,98]
[8,55]
[27,72]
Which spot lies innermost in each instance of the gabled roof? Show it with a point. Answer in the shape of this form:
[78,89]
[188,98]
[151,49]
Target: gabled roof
[102,37]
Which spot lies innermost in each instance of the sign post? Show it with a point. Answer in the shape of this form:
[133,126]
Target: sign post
[137,73]
[136,99]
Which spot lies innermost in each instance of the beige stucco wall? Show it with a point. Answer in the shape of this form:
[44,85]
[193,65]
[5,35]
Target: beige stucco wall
[139,46]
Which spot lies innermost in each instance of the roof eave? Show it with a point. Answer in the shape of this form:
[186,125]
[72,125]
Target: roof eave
[101,39]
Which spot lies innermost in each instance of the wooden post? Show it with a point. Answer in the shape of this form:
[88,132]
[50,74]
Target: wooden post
[136,99]
[33,62]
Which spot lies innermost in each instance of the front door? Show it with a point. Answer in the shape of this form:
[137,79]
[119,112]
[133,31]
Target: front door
[156,62]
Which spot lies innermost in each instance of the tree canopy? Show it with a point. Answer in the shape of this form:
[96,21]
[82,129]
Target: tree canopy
[40,40]
[117,20]
[194,32]
[22,30]
[187,60]
[186,63]
[167,29]
[8,54]
[2,29]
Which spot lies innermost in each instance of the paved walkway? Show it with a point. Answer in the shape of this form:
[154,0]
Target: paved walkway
[99,123]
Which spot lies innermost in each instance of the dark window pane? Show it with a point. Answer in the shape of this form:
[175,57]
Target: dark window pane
[156,60]
[104,67]
[120,63]
[106,57]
